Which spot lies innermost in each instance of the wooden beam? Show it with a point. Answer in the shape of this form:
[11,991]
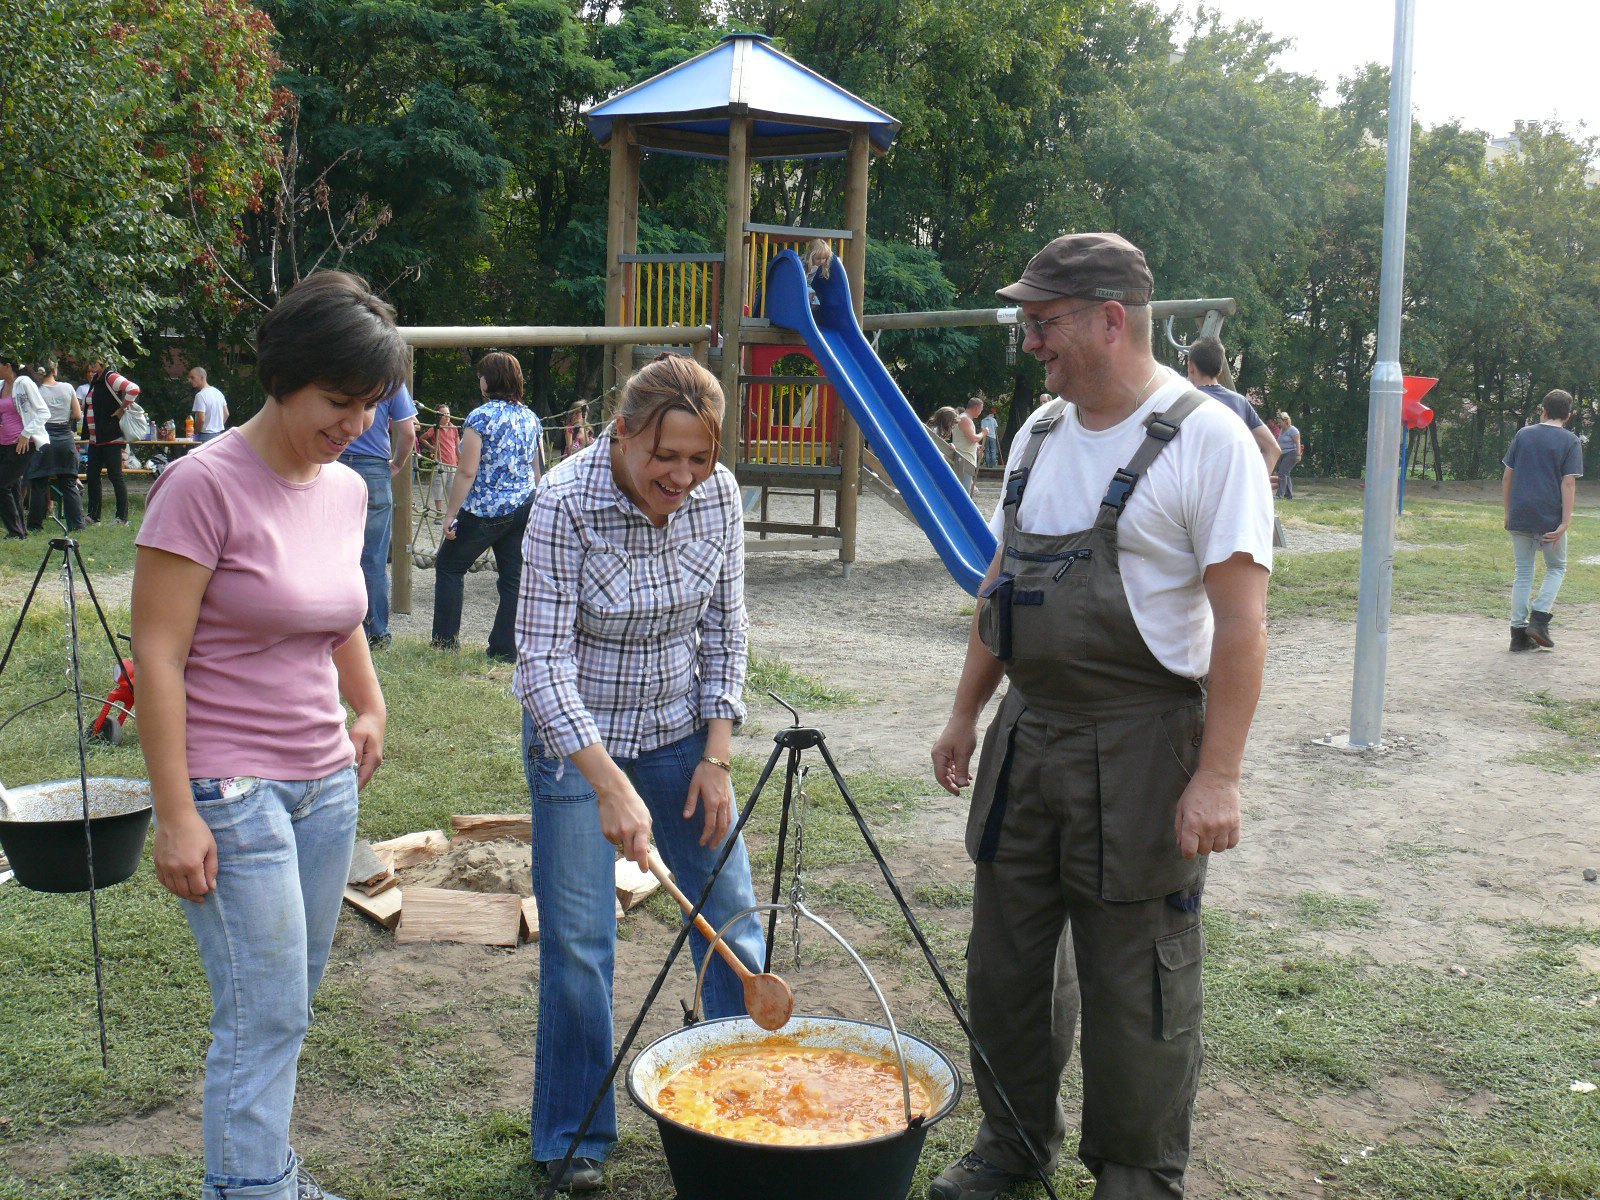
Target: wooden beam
[530,920]
[442,915]
[733,282]
[552,335]
[615,212]
[491,827]
[623,354]
[634,886]
[855,267]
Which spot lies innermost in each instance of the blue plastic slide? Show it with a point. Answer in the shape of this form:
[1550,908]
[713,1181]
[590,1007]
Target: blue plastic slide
[898,437]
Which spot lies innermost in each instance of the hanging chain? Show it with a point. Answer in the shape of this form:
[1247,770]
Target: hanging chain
[797,883]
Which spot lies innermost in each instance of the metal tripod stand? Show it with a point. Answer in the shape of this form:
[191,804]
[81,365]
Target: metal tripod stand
[72,568]
[794,741]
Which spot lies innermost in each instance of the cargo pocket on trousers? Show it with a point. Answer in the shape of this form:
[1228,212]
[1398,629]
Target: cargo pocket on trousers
[1179,959]
[991,786]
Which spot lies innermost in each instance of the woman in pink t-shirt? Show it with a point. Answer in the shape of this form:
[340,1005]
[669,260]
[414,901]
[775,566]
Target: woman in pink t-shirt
[247,606]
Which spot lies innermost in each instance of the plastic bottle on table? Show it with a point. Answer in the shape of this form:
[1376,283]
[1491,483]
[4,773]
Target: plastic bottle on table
[188,427]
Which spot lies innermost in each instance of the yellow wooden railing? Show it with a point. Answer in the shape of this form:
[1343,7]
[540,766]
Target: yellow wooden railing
[790,421]
[672,289]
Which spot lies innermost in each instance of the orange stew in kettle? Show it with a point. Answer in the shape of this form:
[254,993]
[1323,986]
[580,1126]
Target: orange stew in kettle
[780,1093]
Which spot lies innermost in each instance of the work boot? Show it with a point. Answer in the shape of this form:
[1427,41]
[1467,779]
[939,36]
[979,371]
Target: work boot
[581,1175]
[1520,640]
[971,1178]
[1539,629]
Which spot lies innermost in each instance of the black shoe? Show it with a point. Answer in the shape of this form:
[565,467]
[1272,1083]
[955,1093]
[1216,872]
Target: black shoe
[971,1178]
[446,643]
[581,1175]
[380,641]
[1539,628]
[1520,640]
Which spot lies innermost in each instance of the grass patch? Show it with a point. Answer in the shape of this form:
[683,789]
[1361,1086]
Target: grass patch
[769,673]
[107,549]
[1461,563]
[1319,910]
[1576,720]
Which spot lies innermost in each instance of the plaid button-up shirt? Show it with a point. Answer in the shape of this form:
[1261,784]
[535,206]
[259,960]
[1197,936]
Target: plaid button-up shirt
[629,635]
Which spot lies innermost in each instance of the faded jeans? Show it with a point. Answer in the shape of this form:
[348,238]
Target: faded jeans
[375,545]
[574,880]
[1524,546]
[283,850]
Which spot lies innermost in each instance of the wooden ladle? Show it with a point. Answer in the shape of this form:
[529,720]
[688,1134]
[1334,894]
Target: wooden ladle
[767,997]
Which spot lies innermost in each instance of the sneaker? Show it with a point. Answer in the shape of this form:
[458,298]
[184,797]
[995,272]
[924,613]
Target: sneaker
[581,1175]
[971,1178]
[1539,629]
[1520,641]
[307,1188]
[120,521]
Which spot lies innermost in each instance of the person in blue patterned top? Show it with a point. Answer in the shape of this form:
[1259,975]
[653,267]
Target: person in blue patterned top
[497,469]
[631,641]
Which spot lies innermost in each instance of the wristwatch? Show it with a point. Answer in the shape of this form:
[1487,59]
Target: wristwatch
[717,762]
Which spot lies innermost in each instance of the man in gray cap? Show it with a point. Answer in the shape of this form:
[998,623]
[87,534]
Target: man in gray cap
[1127,607]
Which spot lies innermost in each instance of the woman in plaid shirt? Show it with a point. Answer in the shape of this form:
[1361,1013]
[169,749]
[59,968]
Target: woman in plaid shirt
[631,636]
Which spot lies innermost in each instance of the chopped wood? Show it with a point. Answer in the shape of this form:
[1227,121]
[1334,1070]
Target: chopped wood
[442,915]
[634,886]
[411,848]
[619,910]
[384,909]
[492,826]
[376,887]
[530,920]
[365,865]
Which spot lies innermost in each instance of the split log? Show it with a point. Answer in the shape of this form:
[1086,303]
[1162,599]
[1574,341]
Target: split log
[365,865]
[376,887]
[442,915]
[492,826]
[411,848]
[530,920]
[634,886]
[384,909]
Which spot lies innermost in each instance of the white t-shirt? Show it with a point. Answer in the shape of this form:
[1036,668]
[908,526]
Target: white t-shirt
[213,409]
[1206,498]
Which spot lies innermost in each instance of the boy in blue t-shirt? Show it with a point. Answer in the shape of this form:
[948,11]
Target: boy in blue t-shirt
[1539,489]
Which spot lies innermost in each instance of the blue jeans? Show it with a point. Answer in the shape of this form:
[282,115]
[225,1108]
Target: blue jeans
[375,545]
[1524,546]
[202,438]
[474,535]
[283,850]
[991,451]
[574,881]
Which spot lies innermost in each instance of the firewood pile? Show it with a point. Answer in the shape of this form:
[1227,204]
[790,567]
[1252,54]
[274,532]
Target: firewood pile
[482,901]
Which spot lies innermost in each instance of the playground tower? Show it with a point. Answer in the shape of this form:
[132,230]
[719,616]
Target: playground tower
[745,102]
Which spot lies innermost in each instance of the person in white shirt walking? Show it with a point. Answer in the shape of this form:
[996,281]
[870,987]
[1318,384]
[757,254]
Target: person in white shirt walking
[210,406]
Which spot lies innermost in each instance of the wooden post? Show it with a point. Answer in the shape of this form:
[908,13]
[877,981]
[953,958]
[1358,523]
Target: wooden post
[615,212]
[855,269]
[400,522]
[630,245]
[733,283]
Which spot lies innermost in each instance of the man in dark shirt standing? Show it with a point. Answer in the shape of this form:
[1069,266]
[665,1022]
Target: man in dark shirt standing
[1539,489]
[1206,360]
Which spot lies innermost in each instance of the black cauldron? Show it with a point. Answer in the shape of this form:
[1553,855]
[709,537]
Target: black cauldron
[41,831]
[706,1166]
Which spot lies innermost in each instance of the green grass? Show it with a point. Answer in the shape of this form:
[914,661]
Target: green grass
[107,549]
[1579,723]
[772,674]
[1318,910]
[1462,562]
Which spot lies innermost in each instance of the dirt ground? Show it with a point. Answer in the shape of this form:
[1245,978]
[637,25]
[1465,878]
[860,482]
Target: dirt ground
[1444,828]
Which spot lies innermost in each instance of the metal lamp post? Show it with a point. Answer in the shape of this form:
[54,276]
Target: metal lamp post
[1383,412]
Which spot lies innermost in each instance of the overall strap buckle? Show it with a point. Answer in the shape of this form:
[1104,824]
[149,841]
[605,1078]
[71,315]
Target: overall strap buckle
[1122,485]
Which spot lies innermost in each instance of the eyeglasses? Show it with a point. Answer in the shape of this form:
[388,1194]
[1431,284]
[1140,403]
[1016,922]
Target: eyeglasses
[1037,328]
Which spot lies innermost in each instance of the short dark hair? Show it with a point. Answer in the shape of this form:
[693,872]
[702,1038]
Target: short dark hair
[502,375]
[330,329]
[1207,356]
[1558,404]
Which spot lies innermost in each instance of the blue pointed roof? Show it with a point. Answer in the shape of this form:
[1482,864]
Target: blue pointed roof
[798,113]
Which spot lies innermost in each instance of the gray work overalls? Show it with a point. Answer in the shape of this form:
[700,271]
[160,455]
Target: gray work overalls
[1082,896]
